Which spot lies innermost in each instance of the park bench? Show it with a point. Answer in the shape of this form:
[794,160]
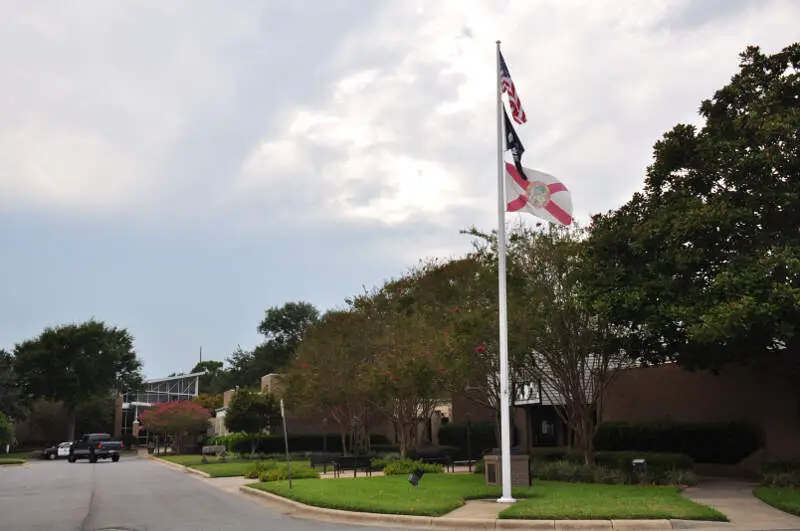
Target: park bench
[352,463]
[324,459]
[443,460]
[215,450]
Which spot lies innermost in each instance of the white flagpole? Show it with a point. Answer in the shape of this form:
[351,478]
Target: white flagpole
[505,406]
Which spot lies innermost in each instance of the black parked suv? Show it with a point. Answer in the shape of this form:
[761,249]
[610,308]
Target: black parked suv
[94,446]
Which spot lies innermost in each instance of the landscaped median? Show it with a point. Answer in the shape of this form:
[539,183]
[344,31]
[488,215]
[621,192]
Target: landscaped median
[217,468]
[11,461]
[441,494]
[787,499]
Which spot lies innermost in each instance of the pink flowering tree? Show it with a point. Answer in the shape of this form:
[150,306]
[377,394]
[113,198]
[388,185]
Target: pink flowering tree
[176,419]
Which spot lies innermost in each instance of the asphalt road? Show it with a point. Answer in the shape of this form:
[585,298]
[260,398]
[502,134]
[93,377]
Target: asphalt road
[135,494]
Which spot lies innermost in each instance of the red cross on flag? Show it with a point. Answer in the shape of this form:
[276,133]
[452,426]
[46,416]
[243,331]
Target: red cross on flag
[539,194]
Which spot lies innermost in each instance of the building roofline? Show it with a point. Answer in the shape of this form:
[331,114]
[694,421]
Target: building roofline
[181,376]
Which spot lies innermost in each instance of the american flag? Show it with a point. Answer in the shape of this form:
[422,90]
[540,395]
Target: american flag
[517,112]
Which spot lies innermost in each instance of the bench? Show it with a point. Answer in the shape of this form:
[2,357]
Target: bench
[324,460]
[352,463]
[216,449]
[443,460]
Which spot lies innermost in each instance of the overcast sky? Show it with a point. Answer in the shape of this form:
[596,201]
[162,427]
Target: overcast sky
[177,166]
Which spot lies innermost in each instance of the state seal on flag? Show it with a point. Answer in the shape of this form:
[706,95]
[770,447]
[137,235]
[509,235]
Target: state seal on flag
[538,194]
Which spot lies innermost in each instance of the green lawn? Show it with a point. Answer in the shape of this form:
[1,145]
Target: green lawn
[784,498]
[214,468]
[576,501]
[439,494]
[11,460]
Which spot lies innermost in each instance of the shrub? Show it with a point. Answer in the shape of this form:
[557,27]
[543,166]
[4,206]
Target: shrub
[407,466]
[274,444]
[575,472]
[482,438]
[255,470]
[479,467]
[780,474]
[657,463]
[280,473]
[566,471]
[721,443]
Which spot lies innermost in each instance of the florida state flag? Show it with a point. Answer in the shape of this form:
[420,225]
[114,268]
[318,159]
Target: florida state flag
[539,194]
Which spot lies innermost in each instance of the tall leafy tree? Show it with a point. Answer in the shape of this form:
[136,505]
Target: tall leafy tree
[74,363]
[6,432]
[703,265]
[328,378]
[571,358]
[12,401]
[283,328]
[252,413]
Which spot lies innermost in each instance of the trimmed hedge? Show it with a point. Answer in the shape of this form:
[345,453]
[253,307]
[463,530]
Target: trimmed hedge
[402,467]
[707,442]
[274,444]
[657,462]
[482,438]
[781,474]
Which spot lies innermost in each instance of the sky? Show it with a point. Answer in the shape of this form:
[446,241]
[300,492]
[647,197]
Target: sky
[177,167]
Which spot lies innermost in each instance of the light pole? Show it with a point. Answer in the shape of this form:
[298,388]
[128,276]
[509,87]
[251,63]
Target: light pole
[469,442]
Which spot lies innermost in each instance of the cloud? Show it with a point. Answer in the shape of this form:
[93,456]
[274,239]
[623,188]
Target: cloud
[375,113]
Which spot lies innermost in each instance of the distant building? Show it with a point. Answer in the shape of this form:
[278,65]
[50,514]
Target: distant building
[157,391]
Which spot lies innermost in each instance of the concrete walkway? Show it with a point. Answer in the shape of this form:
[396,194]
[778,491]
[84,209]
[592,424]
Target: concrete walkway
[481,509]
[735,500]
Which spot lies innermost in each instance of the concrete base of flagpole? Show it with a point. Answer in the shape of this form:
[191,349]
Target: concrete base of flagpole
[506,500]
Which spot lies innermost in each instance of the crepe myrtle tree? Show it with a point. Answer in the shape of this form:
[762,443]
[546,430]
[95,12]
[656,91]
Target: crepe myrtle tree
[179,419]
[572,354]
[328,378]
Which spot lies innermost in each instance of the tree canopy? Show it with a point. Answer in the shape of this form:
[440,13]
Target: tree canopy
[74,363]
[703,265]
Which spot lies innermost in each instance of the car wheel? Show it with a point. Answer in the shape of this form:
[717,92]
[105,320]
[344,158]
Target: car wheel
[71,458]
[51,456]
[115,458]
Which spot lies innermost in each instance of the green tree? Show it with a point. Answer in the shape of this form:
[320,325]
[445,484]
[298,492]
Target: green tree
[95,414]
[286,326]
[283,328]
[73,363]
[6,431]
[12,402]
[328,377]
[251,412]
[703,265]
[216,381]
[570,357]
[211,402]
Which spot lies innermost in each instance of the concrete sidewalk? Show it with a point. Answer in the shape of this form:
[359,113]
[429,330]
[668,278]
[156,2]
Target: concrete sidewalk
[735,500]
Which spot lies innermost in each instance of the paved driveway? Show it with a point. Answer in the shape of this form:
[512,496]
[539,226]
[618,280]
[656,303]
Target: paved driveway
[134,494]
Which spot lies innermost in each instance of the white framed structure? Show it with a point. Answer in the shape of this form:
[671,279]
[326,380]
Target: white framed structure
[157,391]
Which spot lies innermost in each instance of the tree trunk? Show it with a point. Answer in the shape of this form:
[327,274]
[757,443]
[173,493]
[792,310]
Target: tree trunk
[253,446]
[343,435]
[71,424]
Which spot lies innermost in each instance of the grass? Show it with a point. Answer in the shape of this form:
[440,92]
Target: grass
[786,499]
[214,468]
[11,461]
[576,501]
[18,455]
[440,494]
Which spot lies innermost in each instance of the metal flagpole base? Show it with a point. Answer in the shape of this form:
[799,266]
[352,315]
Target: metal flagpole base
[506,500]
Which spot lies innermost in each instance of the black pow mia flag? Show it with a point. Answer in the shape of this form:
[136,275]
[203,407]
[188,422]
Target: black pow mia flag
[514,144]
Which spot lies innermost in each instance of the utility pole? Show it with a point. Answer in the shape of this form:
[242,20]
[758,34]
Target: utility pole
[201,353]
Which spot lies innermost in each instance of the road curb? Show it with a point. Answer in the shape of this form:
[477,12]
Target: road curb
[183,468]
[310,512]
